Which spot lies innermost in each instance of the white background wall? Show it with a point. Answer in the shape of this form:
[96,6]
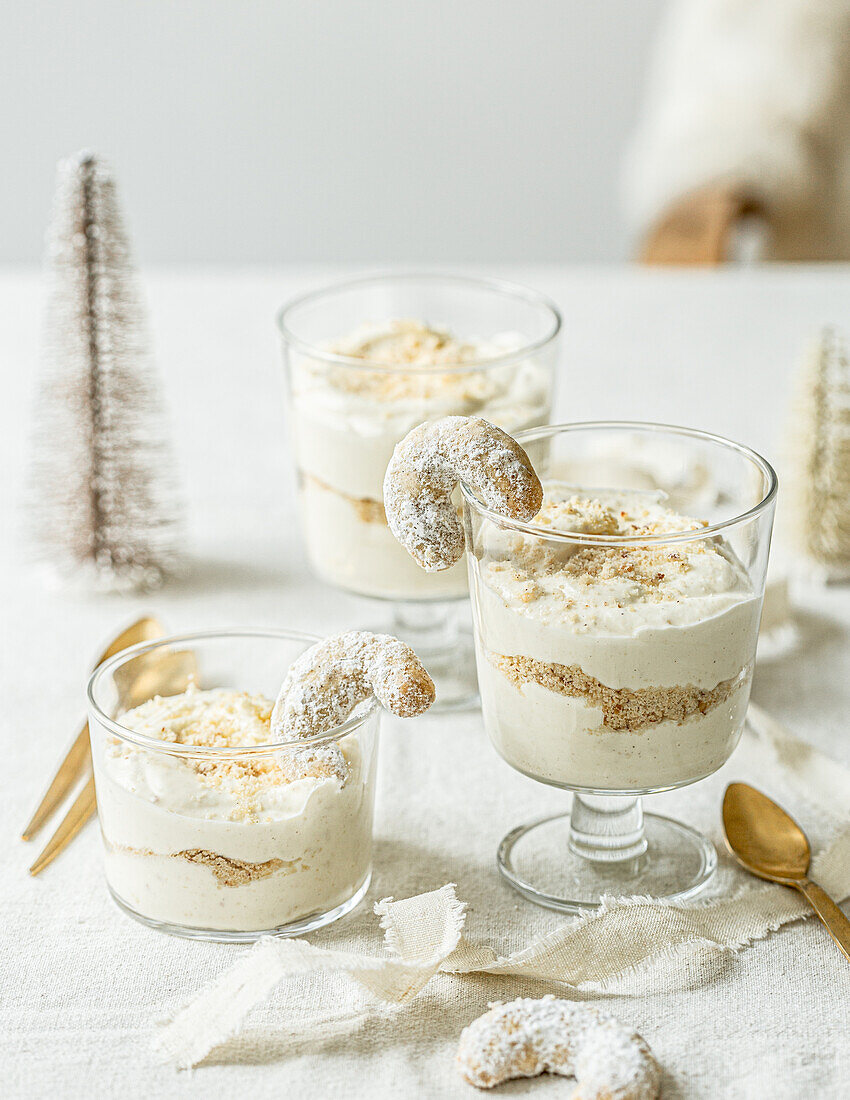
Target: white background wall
[353,130]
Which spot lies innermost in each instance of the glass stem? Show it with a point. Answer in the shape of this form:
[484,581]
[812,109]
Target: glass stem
[606,828]
[427,627]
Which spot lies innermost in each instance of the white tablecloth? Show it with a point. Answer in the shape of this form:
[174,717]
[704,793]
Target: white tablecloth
[80,983]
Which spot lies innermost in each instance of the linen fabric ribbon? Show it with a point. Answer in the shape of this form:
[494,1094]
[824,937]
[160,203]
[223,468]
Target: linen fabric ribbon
[423,935]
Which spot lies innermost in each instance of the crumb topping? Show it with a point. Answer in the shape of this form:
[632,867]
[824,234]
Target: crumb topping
[579,584]
[415,344]
[647,566]
[219,718]
[408,342]
[210,719]
[627,513]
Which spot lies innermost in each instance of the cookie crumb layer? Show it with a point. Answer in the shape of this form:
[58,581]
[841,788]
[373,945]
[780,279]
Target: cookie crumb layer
[623,709]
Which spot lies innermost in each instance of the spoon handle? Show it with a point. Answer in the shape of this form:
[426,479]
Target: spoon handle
[836,923]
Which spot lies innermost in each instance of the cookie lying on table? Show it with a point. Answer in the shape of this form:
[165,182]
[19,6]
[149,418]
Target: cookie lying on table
[527,1037]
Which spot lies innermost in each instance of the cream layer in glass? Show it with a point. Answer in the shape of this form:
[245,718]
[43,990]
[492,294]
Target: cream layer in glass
[231,844]
[619,669]
[346,422]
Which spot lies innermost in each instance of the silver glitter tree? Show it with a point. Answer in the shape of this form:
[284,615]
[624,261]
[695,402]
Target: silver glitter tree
[103,500]
[819,466]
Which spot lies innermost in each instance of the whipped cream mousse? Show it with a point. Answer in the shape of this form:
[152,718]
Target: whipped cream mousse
[606,667]
[346,420]
[242,844]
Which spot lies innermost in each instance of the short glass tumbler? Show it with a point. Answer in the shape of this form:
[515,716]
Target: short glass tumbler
[217,842]
[347,412]
[618,665]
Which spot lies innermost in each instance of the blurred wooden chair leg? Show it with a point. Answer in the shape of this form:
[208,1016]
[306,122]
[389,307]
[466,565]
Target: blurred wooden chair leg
[697,230]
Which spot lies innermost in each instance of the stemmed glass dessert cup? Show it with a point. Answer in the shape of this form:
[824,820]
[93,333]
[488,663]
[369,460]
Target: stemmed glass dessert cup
[210,830]
[360,375]
[615,640]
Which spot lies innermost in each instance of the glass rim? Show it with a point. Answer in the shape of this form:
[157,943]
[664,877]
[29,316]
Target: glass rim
[530,528]
[483,282]
[229,752]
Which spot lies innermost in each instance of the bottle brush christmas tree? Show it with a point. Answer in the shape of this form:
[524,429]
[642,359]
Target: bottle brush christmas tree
[103,500]
[819,481]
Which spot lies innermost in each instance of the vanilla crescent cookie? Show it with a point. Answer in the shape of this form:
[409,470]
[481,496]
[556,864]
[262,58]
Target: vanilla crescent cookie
[327,682]
[422,474]
[527,1037]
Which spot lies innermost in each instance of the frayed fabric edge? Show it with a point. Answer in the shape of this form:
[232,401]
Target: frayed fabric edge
[217,1012]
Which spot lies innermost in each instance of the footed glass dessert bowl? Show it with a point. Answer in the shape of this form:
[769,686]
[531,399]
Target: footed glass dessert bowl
[212,827]
[368,360]
[615,638]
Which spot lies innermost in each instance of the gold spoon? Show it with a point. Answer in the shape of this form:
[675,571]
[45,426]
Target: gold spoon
[770,844]
[79,755]
[162,671]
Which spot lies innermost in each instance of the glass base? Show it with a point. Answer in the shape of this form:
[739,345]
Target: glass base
[452,668]
[217,935]
[444,646]
[542,861]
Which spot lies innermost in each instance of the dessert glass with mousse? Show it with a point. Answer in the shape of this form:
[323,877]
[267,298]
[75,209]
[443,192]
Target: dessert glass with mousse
[211,828]
[615,639]
[368,360]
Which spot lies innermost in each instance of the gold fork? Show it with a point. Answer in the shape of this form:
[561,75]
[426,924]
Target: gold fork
[77,762]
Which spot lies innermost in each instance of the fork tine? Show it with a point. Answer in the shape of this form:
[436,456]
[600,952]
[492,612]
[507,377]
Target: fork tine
[84,806]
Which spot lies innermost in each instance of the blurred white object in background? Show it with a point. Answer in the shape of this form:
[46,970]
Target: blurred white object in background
[818,494]
[750,98]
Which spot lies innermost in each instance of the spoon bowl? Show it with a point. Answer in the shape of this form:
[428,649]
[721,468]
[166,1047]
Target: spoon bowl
[764,839]
[768,842]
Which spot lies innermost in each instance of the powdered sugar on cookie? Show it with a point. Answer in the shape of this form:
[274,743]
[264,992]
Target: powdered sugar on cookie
[527,1037]
[427,465]
[325,684]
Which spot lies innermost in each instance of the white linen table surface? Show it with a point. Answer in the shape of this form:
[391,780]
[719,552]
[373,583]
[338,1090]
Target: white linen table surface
[81,984]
